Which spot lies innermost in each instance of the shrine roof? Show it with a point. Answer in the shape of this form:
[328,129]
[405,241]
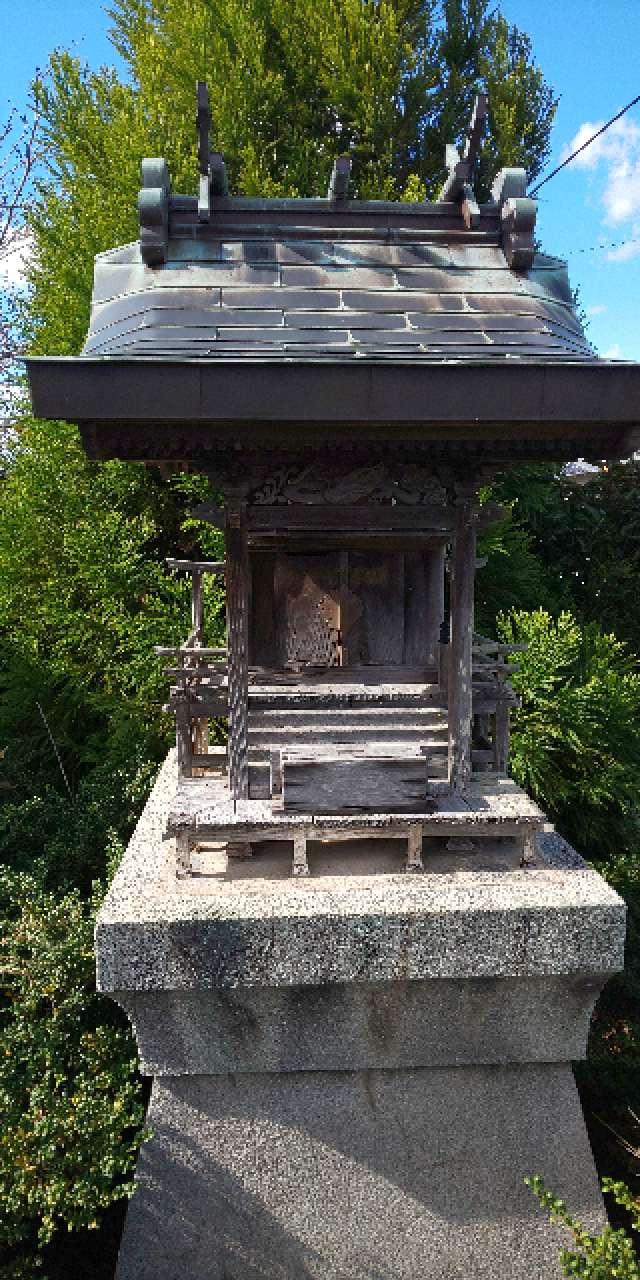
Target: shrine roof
[306,280]
[236,322]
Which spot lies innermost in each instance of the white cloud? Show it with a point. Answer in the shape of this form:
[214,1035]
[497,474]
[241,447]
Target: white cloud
[614,161]
[613,353]
[596,310]
[627,249]
[15,258]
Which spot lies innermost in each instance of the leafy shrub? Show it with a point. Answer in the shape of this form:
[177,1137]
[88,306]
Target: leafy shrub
[609,1079]
[514,575]
[595,1257]
[68,841]
[69,1095]
[576,739]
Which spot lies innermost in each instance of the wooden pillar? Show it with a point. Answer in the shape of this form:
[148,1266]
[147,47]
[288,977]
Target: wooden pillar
[197,622]
[237,579]
[435,602]
[463,564]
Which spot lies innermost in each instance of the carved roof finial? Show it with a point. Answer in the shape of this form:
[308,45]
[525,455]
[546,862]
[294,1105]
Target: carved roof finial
[517,217]
[213,175]
[459,183]
[339,182]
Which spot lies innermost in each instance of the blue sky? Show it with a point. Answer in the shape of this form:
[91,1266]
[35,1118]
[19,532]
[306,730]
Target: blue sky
[589,52]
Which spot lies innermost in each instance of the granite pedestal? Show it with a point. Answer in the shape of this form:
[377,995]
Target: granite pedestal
[353,1073]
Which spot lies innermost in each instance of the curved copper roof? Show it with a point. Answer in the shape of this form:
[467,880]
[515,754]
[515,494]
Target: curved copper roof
[237,324]
[309,279]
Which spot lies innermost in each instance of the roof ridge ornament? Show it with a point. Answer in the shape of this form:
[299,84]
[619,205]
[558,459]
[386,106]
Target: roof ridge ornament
[458,185]
[517,217]
[153,210]
[213,174]
[339,181]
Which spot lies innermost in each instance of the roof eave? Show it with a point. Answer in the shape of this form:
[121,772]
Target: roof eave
[240,399]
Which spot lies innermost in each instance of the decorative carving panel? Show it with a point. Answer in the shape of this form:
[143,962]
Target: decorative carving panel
[323,483]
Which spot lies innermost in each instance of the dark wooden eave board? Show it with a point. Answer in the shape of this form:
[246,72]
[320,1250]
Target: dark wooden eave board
[240,401]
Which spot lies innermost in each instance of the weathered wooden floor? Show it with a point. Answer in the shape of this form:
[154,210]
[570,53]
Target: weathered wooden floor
[203,811]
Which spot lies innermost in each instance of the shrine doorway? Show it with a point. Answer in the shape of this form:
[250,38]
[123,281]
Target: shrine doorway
[356,609]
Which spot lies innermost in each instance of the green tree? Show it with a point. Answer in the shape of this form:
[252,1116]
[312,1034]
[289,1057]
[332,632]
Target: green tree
[576,546]
[83,599]
[293,83]
[590,537]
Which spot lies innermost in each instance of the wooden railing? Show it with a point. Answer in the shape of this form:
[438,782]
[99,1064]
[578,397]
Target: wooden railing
[494,696]
[491,659]
[197,675]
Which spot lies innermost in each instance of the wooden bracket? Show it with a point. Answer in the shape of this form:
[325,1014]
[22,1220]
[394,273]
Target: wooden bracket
[528,847]
[469,208]
[183,852]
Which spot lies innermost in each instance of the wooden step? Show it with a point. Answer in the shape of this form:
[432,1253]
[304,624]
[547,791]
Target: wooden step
[435,768]
[407,749]
[355,716]
[357,785]
[277,735]
[337,696]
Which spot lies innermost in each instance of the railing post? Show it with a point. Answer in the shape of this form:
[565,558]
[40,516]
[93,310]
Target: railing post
[200,723]
[237,576]
[501,738]
[460,699]
[435,602]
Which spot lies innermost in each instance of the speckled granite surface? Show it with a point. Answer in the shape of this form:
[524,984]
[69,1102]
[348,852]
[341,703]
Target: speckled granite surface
[353,1073]
[154,932]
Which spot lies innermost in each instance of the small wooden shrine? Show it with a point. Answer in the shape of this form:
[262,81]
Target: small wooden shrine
[350,374]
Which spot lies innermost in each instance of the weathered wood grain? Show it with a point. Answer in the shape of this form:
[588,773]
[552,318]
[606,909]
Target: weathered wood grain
[354,785]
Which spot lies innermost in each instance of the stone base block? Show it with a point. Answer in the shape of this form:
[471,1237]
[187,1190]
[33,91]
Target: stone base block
[362,1175]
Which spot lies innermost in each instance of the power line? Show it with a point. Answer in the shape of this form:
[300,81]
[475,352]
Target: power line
[605,244]
[584,145]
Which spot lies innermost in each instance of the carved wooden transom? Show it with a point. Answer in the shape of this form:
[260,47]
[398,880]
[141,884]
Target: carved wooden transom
[407,483]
